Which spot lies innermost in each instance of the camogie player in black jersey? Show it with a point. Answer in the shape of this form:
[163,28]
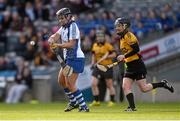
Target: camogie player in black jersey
[135,68]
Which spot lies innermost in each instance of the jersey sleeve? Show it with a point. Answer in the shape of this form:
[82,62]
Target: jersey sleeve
[74,32]
[131,39]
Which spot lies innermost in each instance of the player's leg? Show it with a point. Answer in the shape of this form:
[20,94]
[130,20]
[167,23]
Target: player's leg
[72,100]
[76,92]
[127,87]
[61,79]
[145,87]
[95,92]
[108,75]
[78,67]
[141,75]
[71,82]
[109,84]
[141,81]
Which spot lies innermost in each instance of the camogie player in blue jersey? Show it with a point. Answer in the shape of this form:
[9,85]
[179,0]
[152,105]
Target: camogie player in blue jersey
[68,38]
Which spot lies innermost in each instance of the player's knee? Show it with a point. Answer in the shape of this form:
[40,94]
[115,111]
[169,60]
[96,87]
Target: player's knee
[94,84]
[126,87]
[62,83]
[59,82]
[109,85]
[72,88]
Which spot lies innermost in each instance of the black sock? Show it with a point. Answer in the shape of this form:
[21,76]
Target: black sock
[112,98]
[156,85]
[96,97]
[130,99]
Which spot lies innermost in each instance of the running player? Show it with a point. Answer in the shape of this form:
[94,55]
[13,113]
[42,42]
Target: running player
[135,70]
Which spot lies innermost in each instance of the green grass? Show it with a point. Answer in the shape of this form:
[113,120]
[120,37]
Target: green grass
[54,111]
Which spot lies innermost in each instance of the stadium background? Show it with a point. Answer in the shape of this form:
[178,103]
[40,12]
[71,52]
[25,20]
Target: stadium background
[155,23]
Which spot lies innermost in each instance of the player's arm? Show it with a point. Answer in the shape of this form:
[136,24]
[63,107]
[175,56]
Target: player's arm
[133,43]
[69,44]
[112,52]
[93,60]
[74,35]
[135,50]
[54,38]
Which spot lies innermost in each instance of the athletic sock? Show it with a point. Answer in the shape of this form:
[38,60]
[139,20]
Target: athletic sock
[156,85]
[71,97]
[79,96]
[130,99]
[112,98]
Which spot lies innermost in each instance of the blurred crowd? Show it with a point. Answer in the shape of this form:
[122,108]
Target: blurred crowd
[22,21]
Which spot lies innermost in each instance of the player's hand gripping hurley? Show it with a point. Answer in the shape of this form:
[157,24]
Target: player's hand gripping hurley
[101,59]
[67,70]
[104,68]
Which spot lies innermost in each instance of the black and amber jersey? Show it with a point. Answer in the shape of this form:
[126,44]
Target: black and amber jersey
[126,43]
[100,50]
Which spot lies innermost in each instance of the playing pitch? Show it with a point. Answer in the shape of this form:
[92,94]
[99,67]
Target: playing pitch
[54,111]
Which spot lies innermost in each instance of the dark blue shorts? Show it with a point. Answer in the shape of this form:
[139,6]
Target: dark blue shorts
[77,64]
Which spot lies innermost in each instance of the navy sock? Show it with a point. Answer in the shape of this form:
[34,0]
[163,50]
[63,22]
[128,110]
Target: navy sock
[70,95]
[80,98]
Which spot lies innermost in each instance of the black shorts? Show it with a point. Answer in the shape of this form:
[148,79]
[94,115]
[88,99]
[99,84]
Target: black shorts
[136,70]
[100,74]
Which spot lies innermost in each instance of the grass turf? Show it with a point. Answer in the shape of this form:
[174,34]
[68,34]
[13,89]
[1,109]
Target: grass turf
[54,111]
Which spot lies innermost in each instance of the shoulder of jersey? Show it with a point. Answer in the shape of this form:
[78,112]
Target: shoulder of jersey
[107,44]
[73,24]
[130,38]
[129,35]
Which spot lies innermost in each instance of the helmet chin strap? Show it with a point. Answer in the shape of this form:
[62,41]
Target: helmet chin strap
[123,33]
[69,21]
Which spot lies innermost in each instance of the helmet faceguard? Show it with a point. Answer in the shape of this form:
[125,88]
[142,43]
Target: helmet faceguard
[100,37]
[64,13]
[125,22]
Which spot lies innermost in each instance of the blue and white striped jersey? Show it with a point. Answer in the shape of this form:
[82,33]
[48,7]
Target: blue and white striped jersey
[69,33]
